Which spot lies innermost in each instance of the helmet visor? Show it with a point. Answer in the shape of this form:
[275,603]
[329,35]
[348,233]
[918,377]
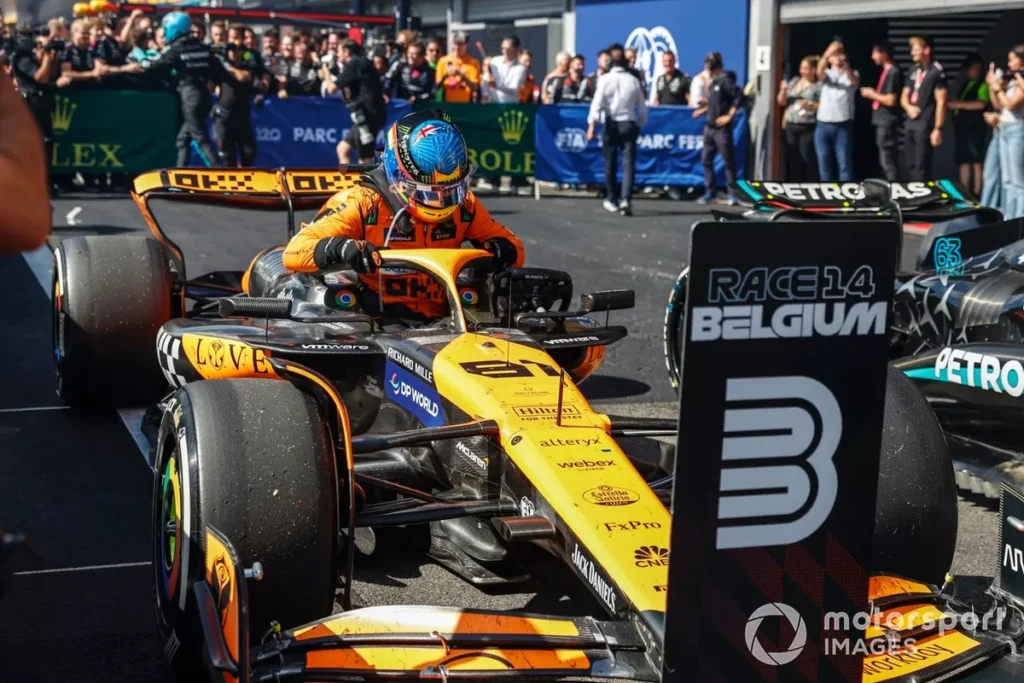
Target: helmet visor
[435,196]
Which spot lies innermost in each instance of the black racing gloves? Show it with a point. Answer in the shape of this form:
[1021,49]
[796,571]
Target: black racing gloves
[505,253]
[358,255]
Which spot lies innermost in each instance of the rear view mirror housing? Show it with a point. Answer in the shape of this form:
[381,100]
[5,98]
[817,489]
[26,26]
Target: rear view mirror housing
[876,192]
[609,300]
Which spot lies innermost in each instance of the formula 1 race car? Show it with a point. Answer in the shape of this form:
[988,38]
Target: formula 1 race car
[294,419]
[958,317]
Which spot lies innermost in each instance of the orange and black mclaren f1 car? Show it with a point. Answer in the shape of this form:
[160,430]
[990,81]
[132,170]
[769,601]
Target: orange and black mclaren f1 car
[288,414]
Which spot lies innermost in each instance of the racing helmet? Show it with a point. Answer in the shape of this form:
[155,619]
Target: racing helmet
[176,25]
[427,165]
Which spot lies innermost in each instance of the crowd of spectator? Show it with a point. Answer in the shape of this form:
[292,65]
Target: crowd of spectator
[908,114]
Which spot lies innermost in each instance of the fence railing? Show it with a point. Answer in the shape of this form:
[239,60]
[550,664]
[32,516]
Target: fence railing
[107,131]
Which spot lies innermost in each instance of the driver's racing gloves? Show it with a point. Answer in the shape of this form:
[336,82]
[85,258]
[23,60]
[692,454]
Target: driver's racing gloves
[359,255]
[505,253]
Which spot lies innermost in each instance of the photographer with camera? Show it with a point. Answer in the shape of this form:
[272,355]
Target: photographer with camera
[363,95]
[35,67]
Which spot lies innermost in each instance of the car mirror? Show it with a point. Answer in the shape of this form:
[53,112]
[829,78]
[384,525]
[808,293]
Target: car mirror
[876,192]
[609,300]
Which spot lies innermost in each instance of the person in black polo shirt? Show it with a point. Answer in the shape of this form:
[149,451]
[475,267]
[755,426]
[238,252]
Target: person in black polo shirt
[672,88]
[924,101]
[574,87]
[77,63]
[110,56]
[724,100]
[886,114]
[969,123]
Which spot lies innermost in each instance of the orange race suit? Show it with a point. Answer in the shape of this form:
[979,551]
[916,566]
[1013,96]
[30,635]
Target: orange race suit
[362,213]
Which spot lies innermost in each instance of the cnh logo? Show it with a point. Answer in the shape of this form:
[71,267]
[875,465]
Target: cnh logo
[793,425]
[775,609]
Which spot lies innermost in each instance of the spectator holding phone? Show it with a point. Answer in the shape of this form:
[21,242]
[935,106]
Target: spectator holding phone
[924,101]
[799,97]
[833,132]
[1008,99]
[458,72]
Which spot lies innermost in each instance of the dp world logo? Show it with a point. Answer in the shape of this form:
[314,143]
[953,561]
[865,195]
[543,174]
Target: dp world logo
[571,140]
[775,609]
[650,45]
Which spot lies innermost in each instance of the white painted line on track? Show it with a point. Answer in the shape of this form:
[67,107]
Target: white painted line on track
[91,568]
[40,262]
[31,410]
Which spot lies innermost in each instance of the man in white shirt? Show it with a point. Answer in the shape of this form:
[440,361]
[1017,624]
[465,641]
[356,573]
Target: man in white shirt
[506,74]
[621,104]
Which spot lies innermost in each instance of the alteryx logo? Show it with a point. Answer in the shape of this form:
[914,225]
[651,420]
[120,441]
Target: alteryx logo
[415,395]
[977,370]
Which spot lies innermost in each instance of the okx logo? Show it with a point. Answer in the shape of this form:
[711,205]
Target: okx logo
[779,482]
[778,610]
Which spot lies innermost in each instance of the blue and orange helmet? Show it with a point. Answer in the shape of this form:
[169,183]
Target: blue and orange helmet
[427,165]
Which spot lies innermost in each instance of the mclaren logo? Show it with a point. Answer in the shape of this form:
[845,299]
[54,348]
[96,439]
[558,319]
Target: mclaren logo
[779,439]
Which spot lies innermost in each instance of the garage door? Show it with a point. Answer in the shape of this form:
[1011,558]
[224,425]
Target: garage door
[798,11]
[490,10]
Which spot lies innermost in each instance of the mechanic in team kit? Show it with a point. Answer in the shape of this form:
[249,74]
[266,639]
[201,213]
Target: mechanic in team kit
[192,65]
[423,179]
[232,118]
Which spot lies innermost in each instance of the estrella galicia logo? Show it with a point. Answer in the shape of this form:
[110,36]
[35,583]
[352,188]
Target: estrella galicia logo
[947,256]
[414,395]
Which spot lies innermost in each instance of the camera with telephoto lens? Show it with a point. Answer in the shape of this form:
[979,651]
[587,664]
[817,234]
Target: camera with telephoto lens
[358,116]
[55,45]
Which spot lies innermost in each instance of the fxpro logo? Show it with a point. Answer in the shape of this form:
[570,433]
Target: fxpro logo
[777,460]
[650,45]
[571,140]
[805,316]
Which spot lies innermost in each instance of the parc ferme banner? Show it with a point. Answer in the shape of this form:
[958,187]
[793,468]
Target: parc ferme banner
[302,132]
[668,151]
[98,131]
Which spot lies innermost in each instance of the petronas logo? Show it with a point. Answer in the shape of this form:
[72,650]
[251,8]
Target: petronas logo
[63,112]
[513,124]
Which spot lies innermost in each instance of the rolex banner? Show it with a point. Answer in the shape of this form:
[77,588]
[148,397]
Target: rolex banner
[113,131]
[499,136]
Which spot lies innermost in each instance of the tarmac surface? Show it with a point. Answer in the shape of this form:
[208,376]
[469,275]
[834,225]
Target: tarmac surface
[80,488]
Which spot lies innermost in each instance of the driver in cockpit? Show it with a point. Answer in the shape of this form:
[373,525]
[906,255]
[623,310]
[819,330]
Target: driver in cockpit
[424,181]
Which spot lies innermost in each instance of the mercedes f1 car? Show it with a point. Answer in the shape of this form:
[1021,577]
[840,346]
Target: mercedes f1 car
[287,418]
[959,315]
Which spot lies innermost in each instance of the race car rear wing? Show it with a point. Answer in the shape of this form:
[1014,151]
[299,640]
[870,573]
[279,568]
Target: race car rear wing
[849,197]
[264,189]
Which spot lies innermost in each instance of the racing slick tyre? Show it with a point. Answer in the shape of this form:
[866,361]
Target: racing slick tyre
[916,509]
[672,335]
[110,297]
[254,459]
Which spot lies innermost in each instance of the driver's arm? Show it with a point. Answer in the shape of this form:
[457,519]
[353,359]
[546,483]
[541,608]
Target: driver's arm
[486,233]
[319,243]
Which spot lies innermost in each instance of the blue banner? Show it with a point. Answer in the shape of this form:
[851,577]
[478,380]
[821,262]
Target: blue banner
[689,28]
[668,151]
[303,132]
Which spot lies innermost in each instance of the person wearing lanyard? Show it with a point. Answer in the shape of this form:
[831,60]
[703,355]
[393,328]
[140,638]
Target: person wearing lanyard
[969,123]
[621,104]
[886,115]
[723,101]
[924,100]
